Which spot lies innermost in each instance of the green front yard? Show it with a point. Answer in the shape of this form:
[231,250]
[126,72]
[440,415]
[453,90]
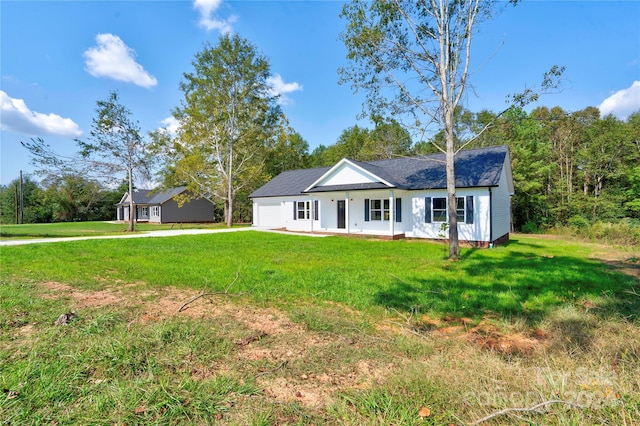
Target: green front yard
[317,330]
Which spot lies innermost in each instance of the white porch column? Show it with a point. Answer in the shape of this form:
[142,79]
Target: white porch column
[311,210]
[392,212]
[347,218]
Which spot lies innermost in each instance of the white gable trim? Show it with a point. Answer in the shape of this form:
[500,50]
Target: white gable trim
[341,165]
[124,198]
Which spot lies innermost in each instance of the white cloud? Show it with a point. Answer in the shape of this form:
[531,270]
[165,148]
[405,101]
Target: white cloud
[622,103]
[18,118]
[170,125]
[209,20]
[112,58]
[280,88]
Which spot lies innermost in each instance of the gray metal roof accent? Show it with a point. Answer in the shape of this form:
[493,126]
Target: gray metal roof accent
[474,168]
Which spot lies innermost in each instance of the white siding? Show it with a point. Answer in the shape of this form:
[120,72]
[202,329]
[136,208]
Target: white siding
[477,231]
[501,201]
[155,215]
[295,224]
[278,212]
[347,174]
[355,213]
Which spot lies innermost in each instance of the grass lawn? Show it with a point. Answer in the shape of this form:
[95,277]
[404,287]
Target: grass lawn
[82,229]
[318,330]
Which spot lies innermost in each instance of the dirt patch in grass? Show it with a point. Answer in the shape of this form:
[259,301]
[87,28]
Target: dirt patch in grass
[484,335]
[82,299]
[272,349]
[629,267]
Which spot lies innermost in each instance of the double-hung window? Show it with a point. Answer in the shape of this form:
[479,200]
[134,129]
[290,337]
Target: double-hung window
[460,209]
[436,209]
[379,209]
[439,209]
[302,210]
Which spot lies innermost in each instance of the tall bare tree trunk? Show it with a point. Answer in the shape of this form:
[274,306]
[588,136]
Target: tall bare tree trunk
[454,245]
[131,205]
[229,203]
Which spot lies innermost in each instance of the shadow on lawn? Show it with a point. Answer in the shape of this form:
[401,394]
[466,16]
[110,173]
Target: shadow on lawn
[521,286]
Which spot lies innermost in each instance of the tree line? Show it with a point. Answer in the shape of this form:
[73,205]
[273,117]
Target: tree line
[68,198]
[233,137]
[569,168]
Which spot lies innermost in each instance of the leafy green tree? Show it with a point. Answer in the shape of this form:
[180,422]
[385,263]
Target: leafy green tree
[114,148]
[392,42]
[290,152]
[412,60]
[229,121]
[349,145]
[35,207]
[387,140]
[632,189]
[318,157]
[602,160]
[116,145]
[77,198]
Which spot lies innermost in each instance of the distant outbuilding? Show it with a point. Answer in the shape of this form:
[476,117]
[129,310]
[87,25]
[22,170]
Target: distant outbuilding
[161,207]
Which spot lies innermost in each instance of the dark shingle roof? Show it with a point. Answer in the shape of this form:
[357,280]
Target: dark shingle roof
[474,168]
[141,196]
[164,196]
[149,196]
[291,182]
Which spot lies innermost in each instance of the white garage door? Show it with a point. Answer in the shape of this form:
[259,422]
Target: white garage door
[269,215]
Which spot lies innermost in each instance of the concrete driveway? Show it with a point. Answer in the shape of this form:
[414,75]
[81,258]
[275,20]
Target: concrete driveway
[164,233]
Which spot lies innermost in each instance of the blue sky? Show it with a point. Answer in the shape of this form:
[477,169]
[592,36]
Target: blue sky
[57,58]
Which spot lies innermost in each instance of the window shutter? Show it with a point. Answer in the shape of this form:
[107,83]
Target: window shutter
[398,209]
[366,210]
[427,209]
[469,209]
[295,211]
[315,209]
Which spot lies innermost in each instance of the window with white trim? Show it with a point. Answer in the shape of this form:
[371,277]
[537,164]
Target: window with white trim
[379,209]
[460,209]
[144,211]
[155,210]
[439,209]
[303,210]
[439,212]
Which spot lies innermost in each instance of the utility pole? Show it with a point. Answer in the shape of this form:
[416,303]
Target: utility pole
[16,204]
[21,201]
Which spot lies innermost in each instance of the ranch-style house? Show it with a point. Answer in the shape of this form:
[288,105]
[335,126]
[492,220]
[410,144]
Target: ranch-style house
[397,198]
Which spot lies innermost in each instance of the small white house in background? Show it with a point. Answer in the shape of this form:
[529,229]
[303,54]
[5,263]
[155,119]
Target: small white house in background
[161,207]
[397,198]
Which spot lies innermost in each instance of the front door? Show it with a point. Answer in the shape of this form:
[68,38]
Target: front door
[341,214]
